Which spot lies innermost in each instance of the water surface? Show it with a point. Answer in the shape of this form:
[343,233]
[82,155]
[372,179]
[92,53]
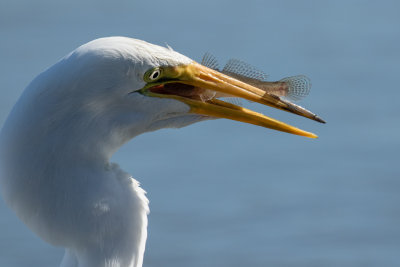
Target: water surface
[227,194]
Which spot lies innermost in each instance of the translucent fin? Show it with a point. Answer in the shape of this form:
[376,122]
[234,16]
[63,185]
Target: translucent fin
[210,61]
[298,87]
[292,88]
[233,100]
[237,68]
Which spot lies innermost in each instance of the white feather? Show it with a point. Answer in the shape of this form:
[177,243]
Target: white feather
[57,141]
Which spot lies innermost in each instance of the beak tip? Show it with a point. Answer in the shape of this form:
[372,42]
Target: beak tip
[311,135]
[318,119]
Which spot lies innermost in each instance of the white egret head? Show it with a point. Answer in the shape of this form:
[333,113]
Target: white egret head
[112,89]
[56,143]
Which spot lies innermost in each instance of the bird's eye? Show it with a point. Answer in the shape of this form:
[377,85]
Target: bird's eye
[152,75]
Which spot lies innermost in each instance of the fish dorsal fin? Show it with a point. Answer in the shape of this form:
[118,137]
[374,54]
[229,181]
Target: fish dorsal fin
[297,87]
[292,88]
[238,69]
[210,61]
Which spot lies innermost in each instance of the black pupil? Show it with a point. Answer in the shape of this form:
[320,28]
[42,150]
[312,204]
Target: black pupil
[155,75]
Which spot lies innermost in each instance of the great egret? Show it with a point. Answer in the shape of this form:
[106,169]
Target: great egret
[58,139]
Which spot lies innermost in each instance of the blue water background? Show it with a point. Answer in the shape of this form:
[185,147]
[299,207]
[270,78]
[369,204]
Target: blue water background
[228,194]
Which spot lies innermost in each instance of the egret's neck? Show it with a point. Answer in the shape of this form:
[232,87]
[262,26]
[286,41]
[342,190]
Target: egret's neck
[58,178]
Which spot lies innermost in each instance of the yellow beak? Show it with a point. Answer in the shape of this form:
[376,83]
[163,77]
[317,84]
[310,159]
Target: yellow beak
[199,76]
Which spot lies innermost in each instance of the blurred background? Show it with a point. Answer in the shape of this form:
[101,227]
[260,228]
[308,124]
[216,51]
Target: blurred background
[228,194]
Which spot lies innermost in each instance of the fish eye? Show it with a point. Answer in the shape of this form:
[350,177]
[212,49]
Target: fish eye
[152,75]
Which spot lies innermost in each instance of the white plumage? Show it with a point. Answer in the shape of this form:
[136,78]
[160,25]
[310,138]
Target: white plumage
[57,141]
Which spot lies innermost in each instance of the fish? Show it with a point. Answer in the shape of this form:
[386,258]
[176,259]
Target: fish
[288,89]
